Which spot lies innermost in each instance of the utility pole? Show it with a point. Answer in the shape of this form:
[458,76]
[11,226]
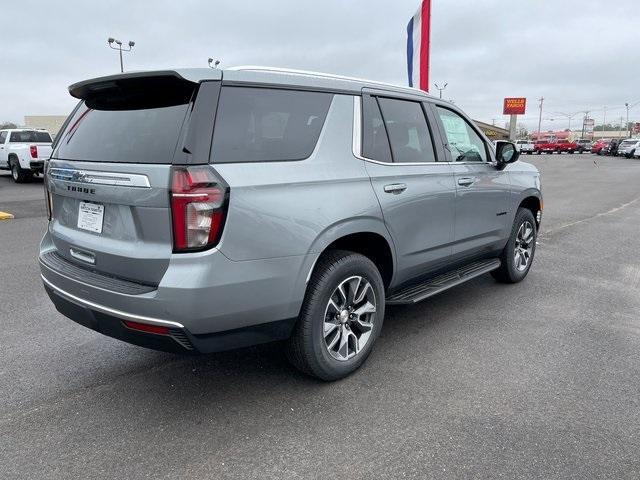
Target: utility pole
[620,127]
[441,88]
[540,118]
[120,48]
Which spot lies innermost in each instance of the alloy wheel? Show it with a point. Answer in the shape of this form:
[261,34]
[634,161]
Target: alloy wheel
[349,318]
[524,246]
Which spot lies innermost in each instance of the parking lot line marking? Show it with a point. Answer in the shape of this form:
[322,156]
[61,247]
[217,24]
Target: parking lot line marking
[5,216]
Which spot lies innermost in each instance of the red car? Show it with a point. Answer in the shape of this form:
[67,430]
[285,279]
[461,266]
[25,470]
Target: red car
[599,145]
[556,146]
[543,146]
[565,146]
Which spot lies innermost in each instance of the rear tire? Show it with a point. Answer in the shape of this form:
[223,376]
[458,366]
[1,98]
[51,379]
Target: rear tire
[518,254]
[18,174]
[331,339]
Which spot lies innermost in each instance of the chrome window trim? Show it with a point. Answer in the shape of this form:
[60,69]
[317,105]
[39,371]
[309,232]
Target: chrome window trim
[111,311]
[100,178]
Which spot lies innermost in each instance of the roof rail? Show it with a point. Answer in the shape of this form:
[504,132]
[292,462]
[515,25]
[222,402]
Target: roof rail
[307,73]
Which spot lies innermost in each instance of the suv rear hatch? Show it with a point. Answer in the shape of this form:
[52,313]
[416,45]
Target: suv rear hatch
[110,172]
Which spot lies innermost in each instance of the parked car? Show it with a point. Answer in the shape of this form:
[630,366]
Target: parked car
[563,145]
[23,151]
[199,210]
[583,145]
[599,145]
[543,146]
[611,148]
[525,146]
[628,147]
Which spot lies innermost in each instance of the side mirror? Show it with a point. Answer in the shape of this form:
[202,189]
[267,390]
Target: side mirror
[506,152]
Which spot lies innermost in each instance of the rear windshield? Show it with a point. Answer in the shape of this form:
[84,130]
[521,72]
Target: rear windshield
[263,124]
[30,136]
[142,135]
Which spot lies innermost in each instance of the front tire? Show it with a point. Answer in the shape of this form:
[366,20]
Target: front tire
[518,254]
[341,316]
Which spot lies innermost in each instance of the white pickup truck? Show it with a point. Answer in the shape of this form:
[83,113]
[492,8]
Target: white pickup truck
[24,151]
[524,146]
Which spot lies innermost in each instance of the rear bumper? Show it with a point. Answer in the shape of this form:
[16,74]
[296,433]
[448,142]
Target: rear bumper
[177,338]
[215,302]
[36,165]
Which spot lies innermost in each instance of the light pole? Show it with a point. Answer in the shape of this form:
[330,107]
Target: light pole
[604,121]
[628,129]
[215,63]
[120,49]
[541,99]
[440,89]
[568,116]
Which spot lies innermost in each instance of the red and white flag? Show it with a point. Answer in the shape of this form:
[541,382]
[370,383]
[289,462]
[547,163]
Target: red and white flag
[418,32]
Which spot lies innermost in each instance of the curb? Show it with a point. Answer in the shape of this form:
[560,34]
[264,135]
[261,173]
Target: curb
[5,216]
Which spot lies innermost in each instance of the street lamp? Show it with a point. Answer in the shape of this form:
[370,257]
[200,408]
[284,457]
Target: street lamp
[569,116]
[440,89]
[111,41]
[215,64]
[628,129]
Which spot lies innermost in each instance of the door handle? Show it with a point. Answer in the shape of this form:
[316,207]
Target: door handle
[395,188]
[466,181]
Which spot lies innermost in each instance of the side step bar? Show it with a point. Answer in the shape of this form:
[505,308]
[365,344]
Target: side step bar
[417,292]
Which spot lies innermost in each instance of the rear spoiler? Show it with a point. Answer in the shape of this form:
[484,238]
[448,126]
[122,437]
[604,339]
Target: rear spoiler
[141,89]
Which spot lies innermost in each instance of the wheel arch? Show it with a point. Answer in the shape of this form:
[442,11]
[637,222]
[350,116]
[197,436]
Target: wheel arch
[367,236]
[533,203]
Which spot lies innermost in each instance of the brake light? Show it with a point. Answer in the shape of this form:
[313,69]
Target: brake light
[198,207]
[34,151]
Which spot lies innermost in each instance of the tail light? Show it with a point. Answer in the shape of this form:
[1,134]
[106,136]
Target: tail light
[47,194]
[34,151]
[198,208]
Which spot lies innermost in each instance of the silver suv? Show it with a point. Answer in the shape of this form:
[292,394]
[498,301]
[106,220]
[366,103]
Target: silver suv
[200,210]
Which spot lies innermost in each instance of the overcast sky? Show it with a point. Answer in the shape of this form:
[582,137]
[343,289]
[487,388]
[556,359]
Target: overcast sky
[578,54]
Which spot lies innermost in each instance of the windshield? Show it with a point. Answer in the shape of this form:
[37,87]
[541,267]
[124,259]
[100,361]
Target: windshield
[30,136]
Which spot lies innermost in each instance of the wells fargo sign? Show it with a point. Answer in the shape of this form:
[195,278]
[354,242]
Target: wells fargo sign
[514,106]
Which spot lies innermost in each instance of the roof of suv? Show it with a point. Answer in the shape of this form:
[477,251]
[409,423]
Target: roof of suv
[257,75]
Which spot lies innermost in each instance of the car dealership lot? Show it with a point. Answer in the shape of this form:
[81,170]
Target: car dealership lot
[538,379]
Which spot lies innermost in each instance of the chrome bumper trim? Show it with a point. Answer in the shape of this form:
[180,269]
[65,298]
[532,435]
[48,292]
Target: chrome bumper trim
[111,311]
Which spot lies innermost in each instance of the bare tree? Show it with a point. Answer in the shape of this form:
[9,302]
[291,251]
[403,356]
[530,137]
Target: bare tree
[4,125]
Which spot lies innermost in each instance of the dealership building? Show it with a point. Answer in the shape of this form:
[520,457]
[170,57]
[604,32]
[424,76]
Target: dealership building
[50,123]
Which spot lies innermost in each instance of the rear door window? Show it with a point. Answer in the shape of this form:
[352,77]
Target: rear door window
[408,131]
[265,125]
[3,137]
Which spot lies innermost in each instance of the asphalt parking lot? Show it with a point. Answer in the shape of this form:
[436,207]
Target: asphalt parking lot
[535,380]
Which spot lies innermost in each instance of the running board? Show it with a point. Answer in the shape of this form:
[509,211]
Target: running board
[417,292]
